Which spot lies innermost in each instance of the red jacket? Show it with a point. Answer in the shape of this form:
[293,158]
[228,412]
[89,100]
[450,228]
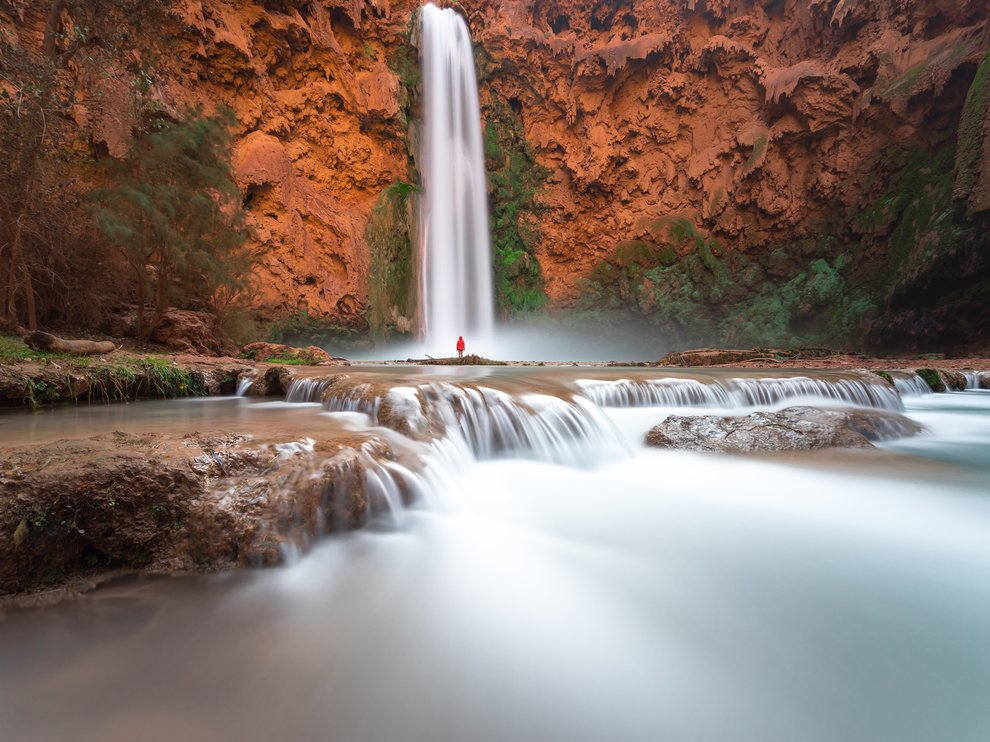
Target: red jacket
[460,343]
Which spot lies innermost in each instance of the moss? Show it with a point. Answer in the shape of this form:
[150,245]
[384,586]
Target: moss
[392,273]
[885,376]
[756,157]
[514,181]
[708,297]
[905,83]
[303,328]
[931,377]
[969,155]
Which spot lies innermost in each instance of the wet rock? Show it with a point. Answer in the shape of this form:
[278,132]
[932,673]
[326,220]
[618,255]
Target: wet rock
[163,504]
[274,382]
[791,429]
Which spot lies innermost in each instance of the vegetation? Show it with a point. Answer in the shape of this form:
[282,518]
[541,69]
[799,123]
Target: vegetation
[304,328]
[514,180]
[686,285]
[43,377]
[935,253]
[174,212]
[931,377]
[971,134]
[392,274]
[52,264]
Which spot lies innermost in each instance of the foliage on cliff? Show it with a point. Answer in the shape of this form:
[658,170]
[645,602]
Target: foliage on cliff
[973,160]
[934,279]
[514,180]
[392,275]
[693,291]
[174,212]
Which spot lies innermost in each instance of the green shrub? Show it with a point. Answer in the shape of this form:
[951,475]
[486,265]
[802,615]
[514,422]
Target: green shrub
[392,273]
[514,181]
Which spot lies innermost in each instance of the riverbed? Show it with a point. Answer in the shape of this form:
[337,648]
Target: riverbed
[575,585]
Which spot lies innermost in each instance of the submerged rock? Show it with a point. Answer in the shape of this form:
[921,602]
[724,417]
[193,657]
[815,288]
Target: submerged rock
[791,429]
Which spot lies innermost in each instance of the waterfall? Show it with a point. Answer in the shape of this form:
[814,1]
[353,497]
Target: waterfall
[455,269]
[740,392]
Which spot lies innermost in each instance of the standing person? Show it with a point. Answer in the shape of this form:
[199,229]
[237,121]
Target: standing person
[460,346]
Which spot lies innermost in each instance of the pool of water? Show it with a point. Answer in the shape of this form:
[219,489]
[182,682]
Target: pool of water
[642,595]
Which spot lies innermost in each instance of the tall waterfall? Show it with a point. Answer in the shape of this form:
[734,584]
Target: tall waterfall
[456,274]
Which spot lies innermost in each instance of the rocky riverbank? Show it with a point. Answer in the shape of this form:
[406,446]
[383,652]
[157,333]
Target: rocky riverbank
[227,494]
[72,511]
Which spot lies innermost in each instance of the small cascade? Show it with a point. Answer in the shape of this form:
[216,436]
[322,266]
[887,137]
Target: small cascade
[358,399]
[243,384]
[491,423]
[495,424]
[858,392]
[655,393]
[910,384]
[303,391]
[972,379]
[387,486]
[739,392]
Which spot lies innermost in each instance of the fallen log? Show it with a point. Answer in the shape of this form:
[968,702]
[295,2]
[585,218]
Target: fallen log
[53,344]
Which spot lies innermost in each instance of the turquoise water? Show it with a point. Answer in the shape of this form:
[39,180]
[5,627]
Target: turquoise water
[644,595]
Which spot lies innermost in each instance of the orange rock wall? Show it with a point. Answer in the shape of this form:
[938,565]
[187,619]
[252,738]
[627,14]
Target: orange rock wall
[755,120]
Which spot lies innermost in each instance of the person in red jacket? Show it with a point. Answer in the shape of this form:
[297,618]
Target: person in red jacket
[460,346]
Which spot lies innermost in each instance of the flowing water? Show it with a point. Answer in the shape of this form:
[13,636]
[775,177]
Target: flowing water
[558,580]
[456,281]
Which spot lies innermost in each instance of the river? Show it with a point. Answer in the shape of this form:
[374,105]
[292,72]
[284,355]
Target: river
[605,592]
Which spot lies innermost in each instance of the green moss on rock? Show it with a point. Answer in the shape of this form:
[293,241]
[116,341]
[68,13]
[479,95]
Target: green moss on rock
[931,377]
[970,165]
[514,181]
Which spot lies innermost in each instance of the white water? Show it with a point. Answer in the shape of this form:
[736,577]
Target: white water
[561,581]
[729,393]
[456,273]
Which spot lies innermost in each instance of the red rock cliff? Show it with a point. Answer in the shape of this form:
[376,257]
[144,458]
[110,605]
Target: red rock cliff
[757,122]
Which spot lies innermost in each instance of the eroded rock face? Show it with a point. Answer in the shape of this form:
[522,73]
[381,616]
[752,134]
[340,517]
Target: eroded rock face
[670,122]
[791,429]
[755,121]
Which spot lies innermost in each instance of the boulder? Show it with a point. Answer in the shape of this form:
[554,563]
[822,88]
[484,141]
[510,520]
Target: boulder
[276,352]
[791,429]
[183,330]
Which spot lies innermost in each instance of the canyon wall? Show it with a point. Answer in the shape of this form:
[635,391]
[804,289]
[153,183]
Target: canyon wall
[721,170]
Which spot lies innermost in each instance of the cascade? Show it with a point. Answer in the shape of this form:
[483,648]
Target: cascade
[910,384]
[455,267]
[739,392]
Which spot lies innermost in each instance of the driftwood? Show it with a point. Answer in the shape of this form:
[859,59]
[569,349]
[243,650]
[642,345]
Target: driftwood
[51,343]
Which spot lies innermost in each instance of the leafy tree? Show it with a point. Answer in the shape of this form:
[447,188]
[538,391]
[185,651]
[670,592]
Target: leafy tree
[174,212]
[38,210]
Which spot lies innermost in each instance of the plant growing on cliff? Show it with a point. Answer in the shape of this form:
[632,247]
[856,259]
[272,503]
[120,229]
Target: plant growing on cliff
[391,276]
[514,180]
[173,210]
[709,295]
[48,258]
[971,136]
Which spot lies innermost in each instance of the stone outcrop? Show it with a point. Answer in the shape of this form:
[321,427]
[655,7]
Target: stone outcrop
[311,355]
[791,429]
[755,121]
[161,503]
